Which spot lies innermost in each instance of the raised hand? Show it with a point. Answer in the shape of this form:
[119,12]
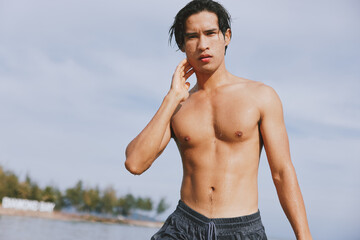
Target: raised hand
[179,86]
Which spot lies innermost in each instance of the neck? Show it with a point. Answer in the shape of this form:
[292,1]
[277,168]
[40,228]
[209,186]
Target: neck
[212,80]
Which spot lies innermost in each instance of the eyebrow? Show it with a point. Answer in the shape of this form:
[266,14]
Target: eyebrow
[190,34]
[212,30]
[206,31]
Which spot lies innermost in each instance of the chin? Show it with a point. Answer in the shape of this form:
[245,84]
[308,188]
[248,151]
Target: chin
[206,71]
[208,68]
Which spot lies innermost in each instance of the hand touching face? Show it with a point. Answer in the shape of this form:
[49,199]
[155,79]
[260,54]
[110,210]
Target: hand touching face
[179,84]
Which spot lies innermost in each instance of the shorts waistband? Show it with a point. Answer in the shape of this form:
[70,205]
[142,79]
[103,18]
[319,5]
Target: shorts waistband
[221,223]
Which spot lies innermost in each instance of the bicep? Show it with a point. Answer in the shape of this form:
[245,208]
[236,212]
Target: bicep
[274,133]
[165,140]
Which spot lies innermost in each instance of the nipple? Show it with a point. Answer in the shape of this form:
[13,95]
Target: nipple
[187,138]
[238,134]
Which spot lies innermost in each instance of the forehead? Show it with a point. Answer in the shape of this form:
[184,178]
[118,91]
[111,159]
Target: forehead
[201,21]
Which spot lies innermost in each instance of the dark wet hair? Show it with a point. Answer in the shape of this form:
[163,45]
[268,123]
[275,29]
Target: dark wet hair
[193,7]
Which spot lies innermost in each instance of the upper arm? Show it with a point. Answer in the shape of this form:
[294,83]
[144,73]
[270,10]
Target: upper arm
[273,131]
[165,140]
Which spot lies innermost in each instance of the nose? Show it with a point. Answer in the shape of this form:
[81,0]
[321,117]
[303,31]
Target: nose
[203,43]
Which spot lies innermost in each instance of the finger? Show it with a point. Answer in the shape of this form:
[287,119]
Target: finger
[188,65]
[184,63]
[184,69]
[187,68]
[188,62]
[187,85]
[181,64]
[189,73]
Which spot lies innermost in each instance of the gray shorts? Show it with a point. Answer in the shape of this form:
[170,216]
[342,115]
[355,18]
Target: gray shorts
[185,223]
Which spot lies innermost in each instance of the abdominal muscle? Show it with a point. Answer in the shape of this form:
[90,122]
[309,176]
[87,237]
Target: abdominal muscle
[220,181]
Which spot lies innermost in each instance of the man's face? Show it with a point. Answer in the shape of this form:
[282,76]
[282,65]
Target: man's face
[204,42]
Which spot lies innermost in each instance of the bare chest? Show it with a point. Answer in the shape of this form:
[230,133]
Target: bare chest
[227,118]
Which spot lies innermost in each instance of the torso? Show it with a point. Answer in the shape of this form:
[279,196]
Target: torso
[219,140]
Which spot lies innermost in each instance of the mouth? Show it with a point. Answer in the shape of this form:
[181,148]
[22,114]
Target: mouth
[205,58]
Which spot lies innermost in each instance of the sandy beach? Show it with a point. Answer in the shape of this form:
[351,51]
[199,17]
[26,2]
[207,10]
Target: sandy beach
[75,217]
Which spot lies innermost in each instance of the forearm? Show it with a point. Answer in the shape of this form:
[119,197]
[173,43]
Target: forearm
[148,145]
[292,202]
[143,150]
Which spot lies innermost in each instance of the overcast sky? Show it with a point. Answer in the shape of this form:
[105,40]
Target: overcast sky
[79,79]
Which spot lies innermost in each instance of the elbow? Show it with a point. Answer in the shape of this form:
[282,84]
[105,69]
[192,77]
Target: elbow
[133,168]
[277,179]
[284,175]
[279,175]
[130,163]
[136,162]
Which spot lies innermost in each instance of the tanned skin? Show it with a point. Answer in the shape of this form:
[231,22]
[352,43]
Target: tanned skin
[220,127]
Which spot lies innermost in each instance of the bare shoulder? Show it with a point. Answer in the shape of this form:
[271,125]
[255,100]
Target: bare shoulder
[268,100]
[265,92]
[256,88]
[264,96]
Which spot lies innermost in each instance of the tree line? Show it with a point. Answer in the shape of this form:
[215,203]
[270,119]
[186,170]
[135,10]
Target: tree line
[83,199]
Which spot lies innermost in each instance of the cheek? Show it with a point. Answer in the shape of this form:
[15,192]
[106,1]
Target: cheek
[190,59]
[189,49]
[190,53]
[220,48]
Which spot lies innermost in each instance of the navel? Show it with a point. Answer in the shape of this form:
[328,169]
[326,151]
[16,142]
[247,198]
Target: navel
[238,133]
[211,197]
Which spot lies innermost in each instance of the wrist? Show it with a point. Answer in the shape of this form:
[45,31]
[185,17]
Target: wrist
[305,236]
[172,96]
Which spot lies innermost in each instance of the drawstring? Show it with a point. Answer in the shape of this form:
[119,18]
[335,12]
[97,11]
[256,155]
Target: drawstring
[212,231]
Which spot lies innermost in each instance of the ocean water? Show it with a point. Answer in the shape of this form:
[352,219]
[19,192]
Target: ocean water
[31,228]
[28,228]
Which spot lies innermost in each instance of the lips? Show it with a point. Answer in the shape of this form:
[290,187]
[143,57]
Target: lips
[205,58]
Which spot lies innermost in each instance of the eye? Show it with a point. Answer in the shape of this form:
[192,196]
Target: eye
[192,36]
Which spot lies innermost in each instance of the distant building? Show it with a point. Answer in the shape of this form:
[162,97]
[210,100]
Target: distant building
[30,205]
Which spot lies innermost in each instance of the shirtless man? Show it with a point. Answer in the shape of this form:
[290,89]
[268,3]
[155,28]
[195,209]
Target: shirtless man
[220,127]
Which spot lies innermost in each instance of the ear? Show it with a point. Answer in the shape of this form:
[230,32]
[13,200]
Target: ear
[227,37]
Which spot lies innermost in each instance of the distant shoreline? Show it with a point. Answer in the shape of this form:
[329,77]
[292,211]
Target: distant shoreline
[56,215]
